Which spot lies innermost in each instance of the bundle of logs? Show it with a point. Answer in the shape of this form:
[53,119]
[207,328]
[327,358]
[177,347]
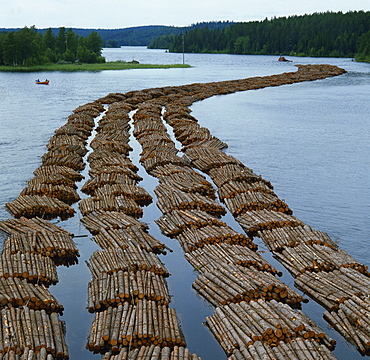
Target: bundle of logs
[29,324]
[128,293]
[329,275]
[118,287]
[144,323]
[231,272]
[153,353]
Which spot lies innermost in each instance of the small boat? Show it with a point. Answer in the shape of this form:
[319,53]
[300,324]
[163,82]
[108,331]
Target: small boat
[46,82]
[283,58]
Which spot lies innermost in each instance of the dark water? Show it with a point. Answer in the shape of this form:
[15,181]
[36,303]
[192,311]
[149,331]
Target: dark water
[311,140]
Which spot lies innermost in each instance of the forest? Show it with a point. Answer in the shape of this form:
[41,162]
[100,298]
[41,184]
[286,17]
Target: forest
[28,47]
[329,34]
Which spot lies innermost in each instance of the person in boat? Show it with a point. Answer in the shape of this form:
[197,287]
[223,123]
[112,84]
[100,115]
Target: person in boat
[38,80]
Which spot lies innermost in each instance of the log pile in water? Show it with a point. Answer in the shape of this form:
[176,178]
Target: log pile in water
[227,283]
[15,292]
[135,192]
[97,220]
[32,267]
[261,220]
[351,320]
[176,221]
[279,238]
[109,178]
[296,349]
[187,182]
[191,239]
[132,258]
[133,235]
[170,199]
[316,258]
[243,324]
[31,334]
[111,203]
[143,323]
[218,254]
[153,353]
[50,170]
[110,290]
[330,289]
[64,193]
[255,200]
[30,206]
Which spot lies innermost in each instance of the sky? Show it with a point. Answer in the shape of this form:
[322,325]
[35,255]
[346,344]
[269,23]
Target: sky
[115,14]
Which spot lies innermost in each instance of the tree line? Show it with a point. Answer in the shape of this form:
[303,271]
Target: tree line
[28,47]
[329,34]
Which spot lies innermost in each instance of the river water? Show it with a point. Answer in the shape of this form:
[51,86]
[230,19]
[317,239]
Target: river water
[311,140]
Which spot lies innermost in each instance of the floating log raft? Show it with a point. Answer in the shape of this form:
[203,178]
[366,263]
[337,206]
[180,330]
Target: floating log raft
[52,179]
[214,255]
[233,188]
[280,238]
[111,203]
[144,323]
[296,349]
[351,320]
[227,283]
[122,238]
[58,246]
[29,266]
[130,259]
[70,142]
[126,286]
[108,178]
[232,174]
[49,170]
[31,334]
[260,220]
[99,219]
[176,221]
[64,193]
[243,324]
[170,199]
[30,206]
[161,160]
[24,225]
[15,292]
[109,145]
[135,192]
[187,182]
[206,158]
[63,158]
[170,169]
[254,200]
[118,160]
[153,353]
[100,170]
[316,258]
[332,288]
[192,239]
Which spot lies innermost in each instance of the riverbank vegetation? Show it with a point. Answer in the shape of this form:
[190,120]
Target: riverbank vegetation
[112,65]
[27,48]
[329,34]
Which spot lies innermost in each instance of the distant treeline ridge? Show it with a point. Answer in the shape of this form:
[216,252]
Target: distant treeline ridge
[329,34]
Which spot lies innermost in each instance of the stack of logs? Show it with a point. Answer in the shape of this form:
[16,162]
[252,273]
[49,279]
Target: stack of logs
[231,273]
[29,326]
[128,293]
[51,192]
[329,275]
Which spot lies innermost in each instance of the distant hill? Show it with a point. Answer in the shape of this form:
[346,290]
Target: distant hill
[139,35]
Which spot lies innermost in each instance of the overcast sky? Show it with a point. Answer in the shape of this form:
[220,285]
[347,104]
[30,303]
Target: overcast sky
[113,14]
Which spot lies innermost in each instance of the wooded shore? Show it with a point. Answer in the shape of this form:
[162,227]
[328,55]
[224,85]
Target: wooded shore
[256,315]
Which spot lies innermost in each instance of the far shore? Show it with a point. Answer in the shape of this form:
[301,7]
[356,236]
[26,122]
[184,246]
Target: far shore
[112,65]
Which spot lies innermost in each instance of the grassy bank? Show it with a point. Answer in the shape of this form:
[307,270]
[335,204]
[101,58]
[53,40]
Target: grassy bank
[114,65]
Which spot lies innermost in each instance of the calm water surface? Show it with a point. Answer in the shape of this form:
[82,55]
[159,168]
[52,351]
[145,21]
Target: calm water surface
[311,140]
